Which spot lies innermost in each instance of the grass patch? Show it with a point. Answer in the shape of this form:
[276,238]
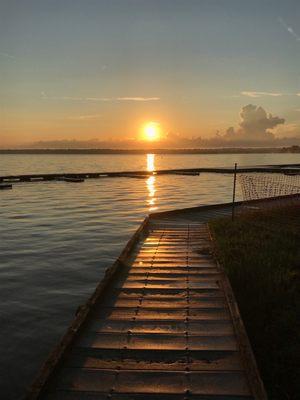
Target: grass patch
[261,254]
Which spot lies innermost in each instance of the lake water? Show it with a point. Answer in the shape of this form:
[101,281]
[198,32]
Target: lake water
[57,239]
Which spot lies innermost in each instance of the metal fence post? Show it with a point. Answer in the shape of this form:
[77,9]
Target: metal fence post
[233,193]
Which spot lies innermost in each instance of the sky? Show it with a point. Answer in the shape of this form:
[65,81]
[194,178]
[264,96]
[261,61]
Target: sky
[102,69]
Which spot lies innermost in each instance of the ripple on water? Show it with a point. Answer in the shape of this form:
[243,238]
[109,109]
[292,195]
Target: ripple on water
[57,239]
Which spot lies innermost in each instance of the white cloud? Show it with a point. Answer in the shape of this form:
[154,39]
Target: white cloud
[137,98]
[255,94]
[289,29]
[260,94]
[98,99]
[255,125]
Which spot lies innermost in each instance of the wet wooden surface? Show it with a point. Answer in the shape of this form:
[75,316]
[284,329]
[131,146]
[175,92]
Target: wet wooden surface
[163,330]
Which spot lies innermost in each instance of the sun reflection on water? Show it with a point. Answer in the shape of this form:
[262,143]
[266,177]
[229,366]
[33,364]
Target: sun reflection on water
[150,162]
[151,201]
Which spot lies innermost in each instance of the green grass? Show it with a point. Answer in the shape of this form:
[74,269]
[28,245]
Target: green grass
[261,253]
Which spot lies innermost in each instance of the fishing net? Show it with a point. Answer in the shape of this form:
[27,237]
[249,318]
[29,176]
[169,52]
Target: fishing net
[265,185]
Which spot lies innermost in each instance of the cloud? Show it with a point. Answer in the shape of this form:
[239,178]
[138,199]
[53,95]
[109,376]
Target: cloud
[137,98]
[255,125]
[260,94]
[98,99]
[116,99]
[85,117]
[255,94]
[256,128]
[171,141]
[46,97]
[4,54]
[95,99]
[291,130]
[289,29]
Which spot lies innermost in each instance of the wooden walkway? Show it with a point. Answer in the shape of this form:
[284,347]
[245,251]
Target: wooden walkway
[162,325]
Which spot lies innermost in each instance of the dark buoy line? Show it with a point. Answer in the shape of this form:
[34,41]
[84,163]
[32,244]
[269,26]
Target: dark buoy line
[80,176]
[72,179]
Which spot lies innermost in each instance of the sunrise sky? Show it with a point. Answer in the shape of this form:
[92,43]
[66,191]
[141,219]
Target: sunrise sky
[83,69]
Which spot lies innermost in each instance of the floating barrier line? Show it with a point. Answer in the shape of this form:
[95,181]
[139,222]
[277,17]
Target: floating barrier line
[292,169]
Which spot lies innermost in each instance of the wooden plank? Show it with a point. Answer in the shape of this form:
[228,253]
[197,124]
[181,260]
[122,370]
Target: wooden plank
[5,186]
[231,383]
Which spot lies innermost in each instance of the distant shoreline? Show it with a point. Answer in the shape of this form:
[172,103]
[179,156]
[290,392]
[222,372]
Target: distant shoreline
[248,150]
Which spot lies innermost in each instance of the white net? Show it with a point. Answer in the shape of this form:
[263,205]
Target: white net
[265,185]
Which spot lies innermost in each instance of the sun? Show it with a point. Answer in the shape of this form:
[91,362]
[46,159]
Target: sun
[151,131]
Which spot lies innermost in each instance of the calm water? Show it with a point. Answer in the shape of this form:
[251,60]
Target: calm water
[57,239]
[31,164]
